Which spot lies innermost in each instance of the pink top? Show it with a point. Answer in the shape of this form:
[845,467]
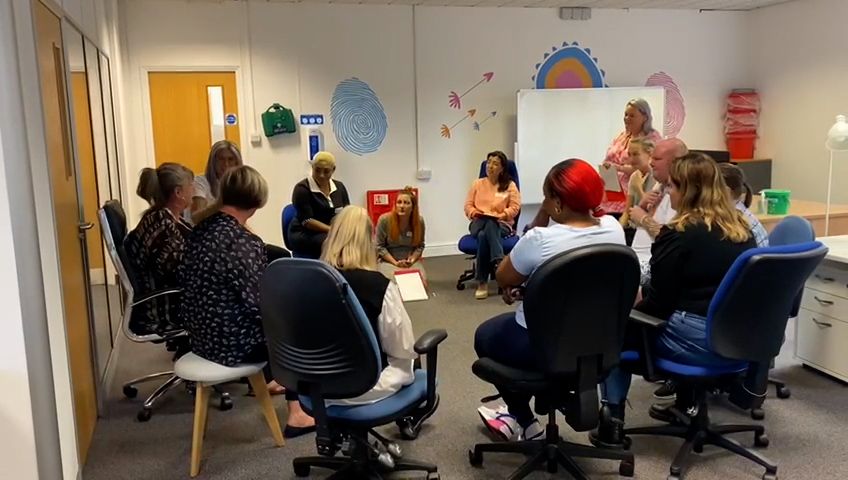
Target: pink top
[617,154]
[484,198]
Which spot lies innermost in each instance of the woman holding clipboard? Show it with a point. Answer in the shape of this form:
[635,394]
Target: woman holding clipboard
[637,124]
[491,205]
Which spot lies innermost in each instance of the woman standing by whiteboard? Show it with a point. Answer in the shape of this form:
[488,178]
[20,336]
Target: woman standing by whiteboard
[637,124]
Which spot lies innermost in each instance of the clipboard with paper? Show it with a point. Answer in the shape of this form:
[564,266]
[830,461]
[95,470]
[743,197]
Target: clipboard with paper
[411,284]
[610,177]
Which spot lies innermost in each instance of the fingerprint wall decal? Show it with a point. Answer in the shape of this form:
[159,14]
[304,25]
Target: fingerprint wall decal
[675,109]
[359,121]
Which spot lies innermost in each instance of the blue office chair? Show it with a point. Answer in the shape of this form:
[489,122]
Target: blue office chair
[468,243]
[323,346]
[288,215]
[745,322]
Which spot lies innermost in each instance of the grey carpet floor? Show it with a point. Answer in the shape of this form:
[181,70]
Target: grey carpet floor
[808,432]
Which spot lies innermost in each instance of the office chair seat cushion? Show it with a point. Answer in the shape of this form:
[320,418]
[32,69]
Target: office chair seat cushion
[699,371]
[194,368]
[511,378]
[629,356]
[468,244]
[381,412]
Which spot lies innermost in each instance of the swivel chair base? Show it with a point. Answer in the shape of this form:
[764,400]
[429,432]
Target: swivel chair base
[130,390]
[697,431]
[553,452]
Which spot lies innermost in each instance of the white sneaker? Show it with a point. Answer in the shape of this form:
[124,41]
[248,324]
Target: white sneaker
[534,431]
[500,422]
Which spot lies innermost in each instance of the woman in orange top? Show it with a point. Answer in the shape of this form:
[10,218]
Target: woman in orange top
[492,205]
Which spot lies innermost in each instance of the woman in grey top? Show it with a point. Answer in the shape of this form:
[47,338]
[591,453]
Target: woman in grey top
[400,235]
[223,156]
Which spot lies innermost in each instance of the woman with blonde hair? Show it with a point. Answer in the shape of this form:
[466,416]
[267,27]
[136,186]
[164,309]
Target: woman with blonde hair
[349,247]
[317,199]
[220,275]
[400,235]
[690,257]
[223,156]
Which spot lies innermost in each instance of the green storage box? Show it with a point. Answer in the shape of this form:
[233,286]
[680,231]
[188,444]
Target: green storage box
[278,119]
[777,201]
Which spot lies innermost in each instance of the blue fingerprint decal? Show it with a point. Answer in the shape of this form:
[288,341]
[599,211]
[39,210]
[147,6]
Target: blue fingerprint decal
[359,120]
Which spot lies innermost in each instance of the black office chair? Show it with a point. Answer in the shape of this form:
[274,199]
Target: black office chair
[745,322]
[113,224]
[576,306]
[323,346]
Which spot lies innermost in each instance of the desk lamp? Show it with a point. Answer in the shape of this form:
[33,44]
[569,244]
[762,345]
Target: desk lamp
[837,141]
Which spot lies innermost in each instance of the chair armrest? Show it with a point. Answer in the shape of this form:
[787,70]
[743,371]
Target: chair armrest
[429,344]
[155,294]
[646,320]
[429,341]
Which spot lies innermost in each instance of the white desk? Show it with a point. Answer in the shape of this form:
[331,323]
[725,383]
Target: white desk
[822,327]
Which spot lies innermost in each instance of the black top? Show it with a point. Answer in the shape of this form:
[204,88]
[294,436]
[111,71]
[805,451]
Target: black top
[687,268]
[370,288]
[314,205]
[220,275]
[154,251]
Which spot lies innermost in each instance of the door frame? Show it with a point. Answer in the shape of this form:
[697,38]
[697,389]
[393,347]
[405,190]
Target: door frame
[144,71]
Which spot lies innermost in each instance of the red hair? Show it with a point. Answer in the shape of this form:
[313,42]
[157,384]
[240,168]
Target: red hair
[577,185]
[414,219]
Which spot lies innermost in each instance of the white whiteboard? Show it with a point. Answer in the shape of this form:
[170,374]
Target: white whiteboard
[557,124]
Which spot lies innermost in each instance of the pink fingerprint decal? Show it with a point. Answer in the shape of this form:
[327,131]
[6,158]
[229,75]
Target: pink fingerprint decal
[675,110]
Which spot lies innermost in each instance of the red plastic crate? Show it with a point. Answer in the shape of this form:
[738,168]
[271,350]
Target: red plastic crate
[741,146]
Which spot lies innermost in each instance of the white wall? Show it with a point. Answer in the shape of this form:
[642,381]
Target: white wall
[801,71]
[301,51]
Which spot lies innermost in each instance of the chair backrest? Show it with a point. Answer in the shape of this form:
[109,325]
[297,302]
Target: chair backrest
[791,230]
[577,305]
[319,339]
[113,224]
[289,212]
[747,316]
[513,173]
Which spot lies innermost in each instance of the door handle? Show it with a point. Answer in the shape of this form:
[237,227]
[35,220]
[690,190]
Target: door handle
[823,302]
[85,226]
[822,324]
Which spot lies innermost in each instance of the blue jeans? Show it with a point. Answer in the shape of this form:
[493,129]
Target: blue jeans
[683,340]
[503,340]
[489,233]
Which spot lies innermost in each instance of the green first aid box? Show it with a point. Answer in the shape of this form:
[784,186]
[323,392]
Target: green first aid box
[278,119]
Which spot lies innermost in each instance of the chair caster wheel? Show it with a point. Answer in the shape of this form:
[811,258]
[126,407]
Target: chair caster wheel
[130,391]
[301,470]
[460,286]
[144,415]
[698,448]
[626,469]
[783,392]
[769,476]
[226,404]
[475,458]
[758,413]
[761,441]
[394,450]
[408,430]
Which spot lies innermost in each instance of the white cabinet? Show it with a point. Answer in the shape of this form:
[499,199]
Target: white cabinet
[822,326]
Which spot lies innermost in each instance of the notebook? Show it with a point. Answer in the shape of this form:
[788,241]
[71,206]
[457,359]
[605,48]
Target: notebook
[610,178]
[411,285]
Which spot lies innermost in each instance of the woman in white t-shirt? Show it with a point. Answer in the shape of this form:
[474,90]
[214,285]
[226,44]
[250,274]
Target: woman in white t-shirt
[573,193]
[223,156]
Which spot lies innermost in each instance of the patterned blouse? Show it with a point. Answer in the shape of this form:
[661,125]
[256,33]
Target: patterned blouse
[220,275]
[154,251]
[617,154]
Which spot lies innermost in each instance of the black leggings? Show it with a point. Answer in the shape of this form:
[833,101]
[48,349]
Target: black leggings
[260,354]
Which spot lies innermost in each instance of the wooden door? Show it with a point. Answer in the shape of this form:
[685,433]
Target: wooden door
[66,209]
[183,120]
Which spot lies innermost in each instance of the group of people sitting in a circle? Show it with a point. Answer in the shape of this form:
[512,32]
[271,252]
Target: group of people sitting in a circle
[691,212]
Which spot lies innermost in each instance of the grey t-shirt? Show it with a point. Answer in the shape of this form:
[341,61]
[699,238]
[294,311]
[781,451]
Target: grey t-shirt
[202,188]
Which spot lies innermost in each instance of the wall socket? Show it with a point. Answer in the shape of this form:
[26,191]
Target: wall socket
[424,174]
[255,139]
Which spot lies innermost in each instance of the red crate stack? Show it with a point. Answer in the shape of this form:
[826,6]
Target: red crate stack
[741,122]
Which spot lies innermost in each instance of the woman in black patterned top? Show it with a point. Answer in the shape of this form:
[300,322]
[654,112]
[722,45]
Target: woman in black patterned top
[220,275]
[155,247]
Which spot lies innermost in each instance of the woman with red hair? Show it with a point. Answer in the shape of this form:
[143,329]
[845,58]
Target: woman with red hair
[573,194]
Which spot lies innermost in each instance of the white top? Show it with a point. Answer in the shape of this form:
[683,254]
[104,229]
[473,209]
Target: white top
[202,188]
[397,340]
[314,188]
[642,241]
[542,243]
